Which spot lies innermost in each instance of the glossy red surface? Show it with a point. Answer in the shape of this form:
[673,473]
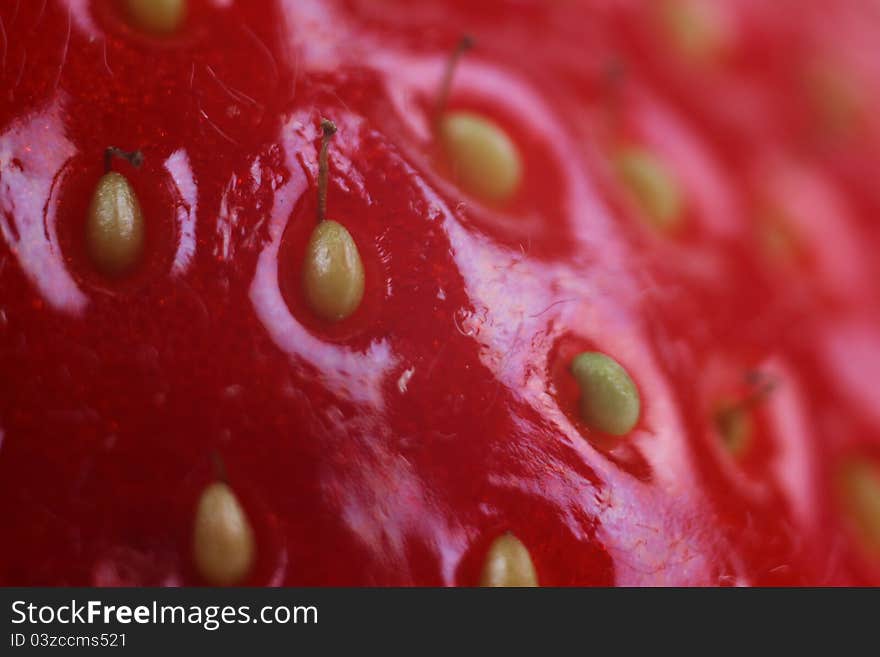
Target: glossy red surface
[394,447]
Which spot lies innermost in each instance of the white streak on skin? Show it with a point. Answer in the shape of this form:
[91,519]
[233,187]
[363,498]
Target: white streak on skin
[280,573]
[178,166]
[257,173]
[356,375]
[385,504]
[79,12]
[794,462]
[403,381]
[316,31]
[851,354]
[125,566]
[227,218]
[233,391]
[227,225]
[39,144]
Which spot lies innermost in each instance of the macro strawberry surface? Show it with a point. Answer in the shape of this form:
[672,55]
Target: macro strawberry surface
[676,196]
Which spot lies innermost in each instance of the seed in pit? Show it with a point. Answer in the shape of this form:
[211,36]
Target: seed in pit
[223,541]
[159,16]
[333,274]
[508,563]
[610,401]
[484,159]
[652,186]
[114,226]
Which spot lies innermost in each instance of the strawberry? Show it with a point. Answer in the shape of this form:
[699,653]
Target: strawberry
[304,293]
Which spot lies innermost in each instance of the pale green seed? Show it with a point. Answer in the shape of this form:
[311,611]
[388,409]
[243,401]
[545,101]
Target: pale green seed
[652,186]
[734,426]
[223,541]
[485,160]
[114,226]
[609,399]
[694,28]
[162,16]
[333,274]
[508,563]
[834,98]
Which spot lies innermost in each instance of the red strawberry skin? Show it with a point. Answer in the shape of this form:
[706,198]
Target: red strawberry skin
[393,447]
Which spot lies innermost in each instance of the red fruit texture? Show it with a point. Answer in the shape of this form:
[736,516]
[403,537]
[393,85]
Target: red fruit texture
[393,447]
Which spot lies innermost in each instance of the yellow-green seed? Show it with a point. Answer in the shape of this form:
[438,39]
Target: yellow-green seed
[223,541]
[777,237]
[161,16]
[114,226]
[508,564]
[609,399]
[734,426]
[333,275]
[861,496]
[652,186]
[485,160]
[834,99]
[693,27]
